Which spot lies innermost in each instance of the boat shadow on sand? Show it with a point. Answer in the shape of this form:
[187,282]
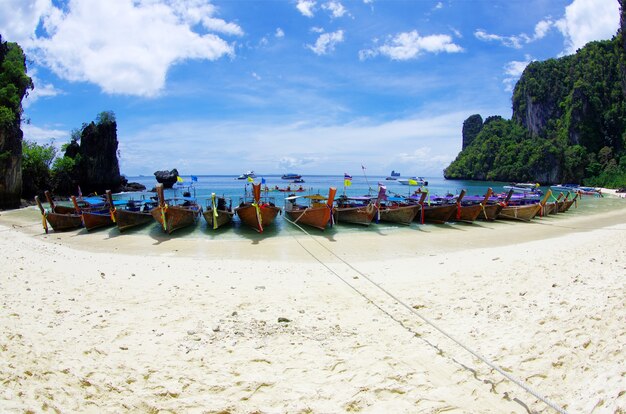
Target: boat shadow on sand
[254,236]
[160,236]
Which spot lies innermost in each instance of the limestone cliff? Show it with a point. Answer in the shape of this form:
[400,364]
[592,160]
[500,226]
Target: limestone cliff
[97,165]
[14,84]
[568,123]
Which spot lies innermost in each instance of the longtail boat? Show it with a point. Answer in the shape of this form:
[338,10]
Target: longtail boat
[218,212]
[524,212]
[95,216]
[554,206]
[469,212]
[493,207]
[568,203]
[399,210]
[61,218]
[317,212]
[357,210]
[175,213]
[130,213]
[258,213]
[441,211]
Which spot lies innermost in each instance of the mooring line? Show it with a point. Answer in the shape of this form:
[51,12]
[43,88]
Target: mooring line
[495,367]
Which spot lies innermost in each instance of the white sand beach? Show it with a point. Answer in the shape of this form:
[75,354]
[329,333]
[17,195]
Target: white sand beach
[300,324]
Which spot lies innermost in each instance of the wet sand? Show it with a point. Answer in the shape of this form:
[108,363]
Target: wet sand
[102,322]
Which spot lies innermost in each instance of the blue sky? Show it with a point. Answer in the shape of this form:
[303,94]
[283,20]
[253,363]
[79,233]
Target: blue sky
[309,86]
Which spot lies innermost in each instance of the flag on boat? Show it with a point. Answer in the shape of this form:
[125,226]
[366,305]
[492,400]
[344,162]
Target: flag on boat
[262,180]
[347,176]
[80,193]
[179,179]
[412,181]
[347,183]
[362,166]
[250,179]
[194,178]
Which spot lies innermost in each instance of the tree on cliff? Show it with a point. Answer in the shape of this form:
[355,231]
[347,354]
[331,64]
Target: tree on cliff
[14,85]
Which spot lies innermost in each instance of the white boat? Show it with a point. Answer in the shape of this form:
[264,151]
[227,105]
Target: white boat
[523,188]
[412,181]
[247,174]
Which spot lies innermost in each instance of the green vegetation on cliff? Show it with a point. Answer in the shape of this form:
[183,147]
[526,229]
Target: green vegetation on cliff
[568,124]
[14,83]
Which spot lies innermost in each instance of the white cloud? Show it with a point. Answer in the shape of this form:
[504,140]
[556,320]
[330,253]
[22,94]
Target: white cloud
[542,28]
[279,33]
[292,162]
[40,90]
[256,76]
[316,29]
[409,45]
[126,46]
[19,19]
[588,20]
[513,70]
[517,41]
[439,6]
[335,8]
[221,26]
[326,42]
[509,41]
[44,136]
[431,138]
[306,7]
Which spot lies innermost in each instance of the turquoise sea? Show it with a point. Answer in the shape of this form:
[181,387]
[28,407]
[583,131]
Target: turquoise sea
[230,186]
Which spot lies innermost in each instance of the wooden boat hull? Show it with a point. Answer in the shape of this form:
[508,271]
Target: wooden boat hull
[64,221]
[468,213]
[176,217]
[523,213]
[97,219]
[550,208]
[355,215]
[223,217]
[490,212]
[439,214]
[247,213]
[400,215]
[317,217]
[126,219]
[566,205]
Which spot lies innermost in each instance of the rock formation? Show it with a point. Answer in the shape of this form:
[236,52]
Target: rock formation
[471,128]
[97,166]
[15,83]
[167,178]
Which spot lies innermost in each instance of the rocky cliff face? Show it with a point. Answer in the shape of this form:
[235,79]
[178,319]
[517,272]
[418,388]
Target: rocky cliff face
[14,83]
[471,128]
[97,166]
[10,166]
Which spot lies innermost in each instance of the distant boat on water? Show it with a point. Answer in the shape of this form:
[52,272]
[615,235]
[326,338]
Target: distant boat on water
[524,188]
[413,181]
[291,176]
[394,176]
[246,175]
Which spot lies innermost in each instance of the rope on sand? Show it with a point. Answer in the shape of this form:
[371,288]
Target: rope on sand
[510,377]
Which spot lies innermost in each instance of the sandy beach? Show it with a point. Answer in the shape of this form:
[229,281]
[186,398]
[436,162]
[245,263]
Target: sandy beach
[316,324]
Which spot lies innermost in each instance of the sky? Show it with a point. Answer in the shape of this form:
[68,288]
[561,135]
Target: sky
[276,86]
